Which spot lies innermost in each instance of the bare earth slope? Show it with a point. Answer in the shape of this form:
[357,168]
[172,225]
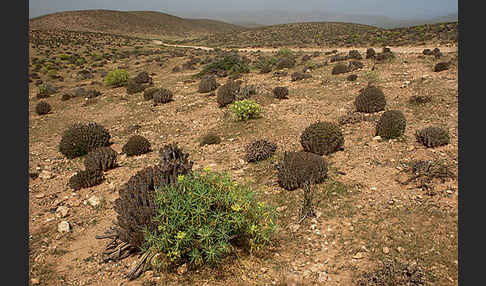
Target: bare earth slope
[134,23]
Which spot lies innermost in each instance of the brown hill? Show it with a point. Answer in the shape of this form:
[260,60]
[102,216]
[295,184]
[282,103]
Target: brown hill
[133,23]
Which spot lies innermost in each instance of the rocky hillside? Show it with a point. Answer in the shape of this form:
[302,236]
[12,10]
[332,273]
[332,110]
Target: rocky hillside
[133,23]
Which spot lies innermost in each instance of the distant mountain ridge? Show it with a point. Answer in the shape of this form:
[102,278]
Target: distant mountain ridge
[134,23]
[269,17]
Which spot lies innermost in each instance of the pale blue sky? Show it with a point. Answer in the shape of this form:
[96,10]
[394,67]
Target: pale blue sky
[398,9]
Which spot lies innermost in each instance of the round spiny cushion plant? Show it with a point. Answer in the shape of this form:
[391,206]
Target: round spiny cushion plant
[174,162]
[433,136]
[148,93]
[260,150]
[226,94]
[142,77]
[81,138]
[42,107]
[85,179]
[285,62]
[207,84]
[162,95]
[370,53]
[442,66]
[135,87]
[355,65]
[205,216]
[136,145]
[299,168]
[209,139]
[392,124]
[103,158]
[339,68]
[354,54]
[322,138]
[281,92]
[135,205]
[371,99]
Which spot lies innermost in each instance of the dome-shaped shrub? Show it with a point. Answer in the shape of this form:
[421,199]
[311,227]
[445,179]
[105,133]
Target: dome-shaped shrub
[370,53]
[433,136]
[442,66]
[298,168]
[136,145]
[285,62]
[174,161]
[85,179]
[322,138]
[42,107]
[391,124]
[281,92]
[370,100]
[260,150]
[142,77]
[299,76]
[354,54]
[148,93]
[207,84]
[135,205]
[81,138]
[339,68]
[209,139]
[226,94]
[162,95]
[103,158]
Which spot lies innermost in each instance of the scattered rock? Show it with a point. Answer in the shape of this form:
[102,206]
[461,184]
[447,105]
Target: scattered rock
[63,226]
[359,255]
[386,250]
[34,281]
[46,175]
[62,211]
[94,201]
[182,269]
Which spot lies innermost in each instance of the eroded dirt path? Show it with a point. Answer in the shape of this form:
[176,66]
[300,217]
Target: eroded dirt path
[402,49]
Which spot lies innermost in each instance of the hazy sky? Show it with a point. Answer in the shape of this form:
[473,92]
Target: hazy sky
[400,9]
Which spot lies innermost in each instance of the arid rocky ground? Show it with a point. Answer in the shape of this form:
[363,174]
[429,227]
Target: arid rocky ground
[365,215]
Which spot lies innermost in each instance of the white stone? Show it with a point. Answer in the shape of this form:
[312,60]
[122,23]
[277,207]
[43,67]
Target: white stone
[63,226]
[94,201]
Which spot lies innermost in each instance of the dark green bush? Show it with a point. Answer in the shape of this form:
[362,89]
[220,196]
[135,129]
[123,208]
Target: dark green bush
[103,158]
[433,136]
[260,150]
[136,145]
[392,124]
[299,168]
[209,139]
[81,138]
[205,216]
[339,68]
[230,61]
[207,84]
[281,92]
[85,179]
[322,138]
[162,95]
[370,100]
[42,107]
